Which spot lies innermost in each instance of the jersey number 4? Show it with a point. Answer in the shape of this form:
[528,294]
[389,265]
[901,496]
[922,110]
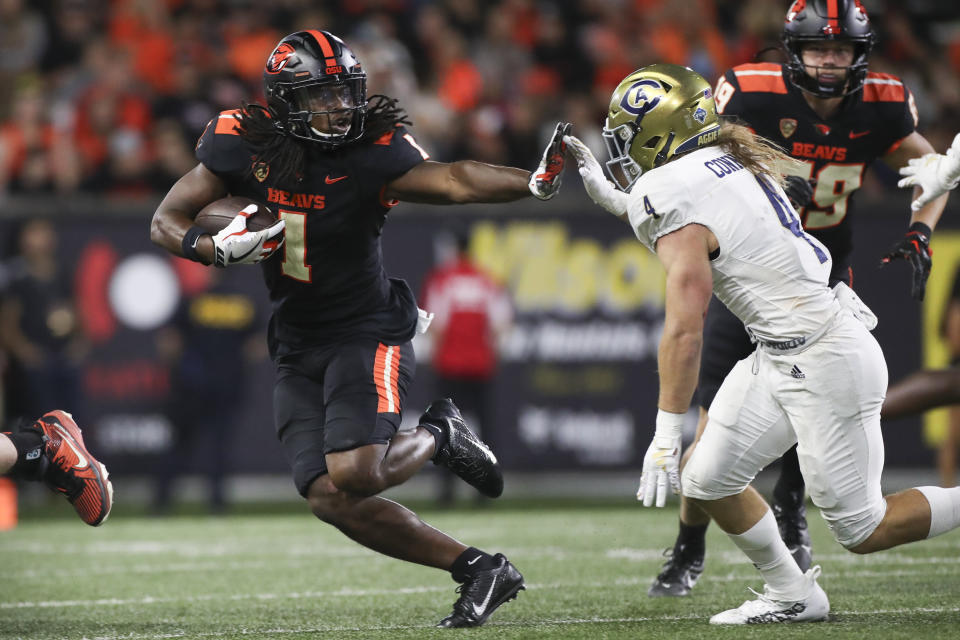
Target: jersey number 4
[788,219]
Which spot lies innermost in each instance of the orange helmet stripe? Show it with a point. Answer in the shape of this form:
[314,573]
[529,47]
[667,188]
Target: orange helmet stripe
[833,15]
[325,47]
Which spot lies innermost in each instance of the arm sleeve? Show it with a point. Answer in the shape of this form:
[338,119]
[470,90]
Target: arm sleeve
[221,149]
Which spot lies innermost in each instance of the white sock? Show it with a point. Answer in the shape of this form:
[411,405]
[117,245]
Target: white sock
[762,544]
[944,509]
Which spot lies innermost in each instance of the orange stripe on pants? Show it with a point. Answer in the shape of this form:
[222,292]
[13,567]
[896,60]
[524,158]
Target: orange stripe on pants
[385,368]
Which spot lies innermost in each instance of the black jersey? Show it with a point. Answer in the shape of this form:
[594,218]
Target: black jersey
[328,282]
[836,151]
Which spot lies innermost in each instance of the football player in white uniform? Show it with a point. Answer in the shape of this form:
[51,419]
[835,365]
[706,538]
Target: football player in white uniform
[708,201]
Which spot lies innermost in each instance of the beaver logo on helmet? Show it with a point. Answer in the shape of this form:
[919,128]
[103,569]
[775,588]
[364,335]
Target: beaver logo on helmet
[278,59]
[316,89]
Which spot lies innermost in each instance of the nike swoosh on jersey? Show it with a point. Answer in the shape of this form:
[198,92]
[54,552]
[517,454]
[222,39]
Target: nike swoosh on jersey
[81,459]
[330,180]
[858,134]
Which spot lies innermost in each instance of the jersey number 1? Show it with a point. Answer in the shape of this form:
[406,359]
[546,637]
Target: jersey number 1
[295,246]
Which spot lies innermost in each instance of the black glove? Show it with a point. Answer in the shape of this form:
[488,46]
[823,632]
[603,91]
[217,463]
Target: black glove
[799,190]
[915,247]
[545,181]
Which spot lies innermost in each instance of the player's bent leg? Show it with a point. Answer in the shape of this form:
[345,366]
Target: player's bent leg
[912,515]
[735,446]
[372,468]
[460,450]
[384,526]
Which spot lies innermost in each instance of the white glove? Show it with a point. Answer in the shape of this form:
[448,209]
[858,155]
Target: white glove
[661,464]
[545,181]
[598,187]
[235,244]
[935,173]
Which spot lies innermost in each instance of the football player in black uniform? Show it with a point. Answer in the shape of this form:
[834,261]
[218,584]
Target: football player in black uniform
[826,109]
[333,165]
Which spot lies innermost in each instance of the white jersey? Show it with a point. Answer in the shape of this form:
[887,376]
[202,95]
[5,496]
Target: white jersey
[769,273]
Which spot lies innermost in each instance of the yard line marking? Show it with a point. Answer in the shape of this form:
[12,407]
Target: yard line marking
[737,558]
[505,623]
[352,592]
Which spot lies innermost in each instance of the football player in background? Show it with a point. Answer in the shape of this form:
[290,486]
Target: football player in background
[51,450]
[826,110]
[708,201]
[334,165]
[927,389]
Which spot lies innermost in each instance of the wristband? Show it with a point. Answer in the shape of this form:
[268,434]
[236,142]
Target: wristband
[922,229]
[188,246]
[669,425]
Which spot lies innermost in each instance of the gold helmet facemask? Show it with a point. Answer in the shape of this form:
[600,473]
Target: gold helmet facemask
[657,113]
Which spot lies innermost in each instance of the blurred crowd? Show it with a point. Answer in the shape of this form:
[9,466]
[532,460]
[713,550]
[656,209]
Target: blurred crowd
[108,97]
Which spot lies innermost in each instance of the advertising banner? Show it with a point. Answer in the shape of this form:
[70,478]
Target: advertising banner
[576,385]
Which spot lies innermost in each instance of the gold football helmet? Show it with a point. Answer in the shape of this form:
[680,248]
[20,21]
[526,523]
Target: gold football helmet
[657,113]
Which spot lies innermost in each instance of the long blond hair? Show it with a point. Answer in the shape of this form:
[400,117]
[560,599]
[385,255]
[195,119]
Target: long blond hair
[757,154]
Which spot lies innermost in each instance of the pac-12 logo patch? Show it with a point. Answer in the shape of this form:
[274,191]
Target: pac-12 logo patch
[261,170]
[787,127]
[278,59]
[642,97]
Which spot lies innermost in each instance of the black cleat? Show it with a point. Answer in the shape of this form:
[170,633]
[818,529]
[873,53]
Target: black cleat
[679,574]
[483,593]
[464,453]
[792,522]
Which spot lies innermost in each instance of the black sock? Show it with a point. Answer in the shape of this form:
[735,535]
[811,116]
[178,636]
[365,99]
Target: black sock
[438,436]
[29,446]
[469,562]
[692,538]
[790,485]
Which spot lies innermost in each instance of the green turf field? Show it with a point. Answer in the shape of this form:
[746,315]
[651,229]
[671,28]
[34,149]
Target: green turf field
[286,575]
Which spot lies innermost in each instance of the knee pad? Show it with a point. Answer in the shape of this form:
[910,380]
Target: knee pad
[852,529]
[701,480]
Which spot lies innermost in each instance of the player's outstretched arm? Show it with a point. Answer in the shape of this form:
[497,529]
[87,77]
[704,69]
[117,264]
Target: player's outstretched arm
[595,182]
[934,173]
[467,181]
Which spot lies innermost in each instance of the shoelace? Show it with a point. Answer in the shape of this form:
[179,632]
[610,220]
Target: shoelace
[673,567]
[466,591]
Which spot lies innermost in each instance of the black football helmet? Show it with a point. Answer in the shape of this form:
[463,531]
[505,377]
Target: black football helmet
[316,88]
[819,20]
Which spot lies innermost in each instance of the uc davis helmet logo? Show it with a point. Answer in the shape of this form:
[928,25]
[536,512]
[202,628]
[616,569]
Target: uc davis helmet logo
[279,57]
[642,97]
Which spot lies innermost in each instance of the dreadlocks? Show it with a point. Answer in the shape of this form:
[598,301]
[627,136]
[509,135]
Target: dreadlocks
[287,156]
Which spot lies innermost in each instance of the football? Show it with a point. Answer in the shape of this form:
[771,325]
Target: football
[219,213]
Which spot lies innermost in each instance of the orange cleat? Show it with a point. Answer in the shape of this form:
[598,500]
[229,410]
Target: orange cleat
[71,470]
